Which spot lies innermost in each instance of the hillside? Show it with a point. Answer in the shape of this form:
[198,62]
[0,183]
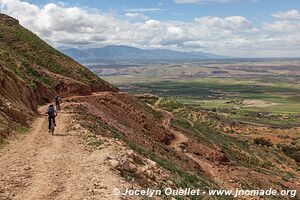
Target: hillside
[105,138]
[32,73]
[127,53]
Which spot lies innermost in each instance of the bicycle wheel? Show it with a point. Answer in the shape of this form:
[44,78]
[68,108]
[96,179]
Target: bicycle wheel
[52,127]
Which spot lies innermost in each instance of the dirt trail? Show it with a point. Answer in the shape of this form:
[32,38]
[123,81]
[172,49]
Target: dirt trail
[42,166]
[220,174]
[179,137]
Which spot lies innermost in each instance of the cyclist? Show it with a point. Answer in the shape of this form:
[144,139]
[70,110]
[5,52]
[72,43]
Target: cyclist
[57,102]
[51,116]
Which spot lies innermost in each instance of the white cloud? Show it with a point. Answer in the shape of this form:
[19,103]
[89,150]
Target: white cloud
[145,10]
[282,26]
[233,23]
[152,24]
[211,1]
[133,15]
[136,16]
[288,22]
[203,1]
[61,25]
[176,30]
[288,15]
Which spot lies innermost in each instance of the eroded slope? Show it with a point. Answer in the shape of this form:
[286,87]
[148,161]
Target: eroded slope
[32,72]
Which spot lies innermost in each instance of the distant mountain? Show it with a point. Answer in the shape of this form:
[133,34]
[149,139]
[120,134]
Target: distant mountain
[120,52]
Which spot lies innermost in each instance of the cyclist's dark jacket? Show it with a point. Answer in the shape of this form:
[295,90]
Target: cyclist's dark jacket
[51,116]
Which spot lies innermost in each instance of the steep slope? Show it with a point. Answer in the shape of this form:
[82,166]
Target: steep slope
[32,72]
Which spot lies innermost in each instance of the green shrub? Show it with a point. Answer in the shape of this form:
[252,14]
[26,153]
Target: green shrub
[96,142]
[263,141]
[267,165]
[21,130]
[292,151]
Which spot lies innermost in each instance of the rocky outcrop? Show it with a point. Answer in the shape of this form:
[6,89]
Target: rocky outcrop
[144,171]
[17,102]
[8,19]
[14,88]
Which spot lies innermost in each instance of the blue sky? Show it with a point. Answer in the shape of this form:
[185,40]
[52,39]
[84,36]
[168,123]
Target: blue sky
[257,11]
[243,28]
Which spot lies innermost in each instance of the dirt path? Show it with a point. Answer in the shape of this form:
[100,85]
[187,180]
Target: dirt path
[220,174]
[179,137]
[42,166]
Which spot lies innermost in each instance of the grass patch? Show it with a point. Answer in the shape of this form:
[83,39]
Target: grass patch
[292,151]
[20,130]
[128,176]
[170,104]
[263,142]
[95,142]
[267,165]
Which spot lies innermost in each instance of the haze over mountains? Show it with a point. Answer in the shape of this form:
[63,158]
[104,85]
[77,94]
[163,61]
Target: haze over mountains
[121,52]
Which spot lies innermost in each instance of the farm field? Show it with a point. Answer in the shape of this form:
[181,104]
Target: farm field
[251,91]
[250,102]
[248,111]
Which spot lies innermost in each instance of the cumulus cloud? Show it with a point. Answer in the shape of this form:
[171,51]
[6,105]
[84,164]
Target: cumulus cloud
[67,26]
[136,16]
[233,23]
[282,26]
[59,25]
[288,22]
[288,15]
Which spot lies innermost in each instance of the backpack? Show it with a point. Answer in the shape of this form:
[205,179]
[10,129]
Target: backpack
[51,111]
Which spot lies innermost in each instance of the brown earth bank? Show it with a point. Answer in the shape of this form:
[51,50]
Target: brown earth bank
[133,121]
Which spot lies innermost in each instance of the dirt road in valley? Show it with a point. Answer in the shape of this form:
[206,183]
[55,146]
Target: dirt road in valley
[217,172]
[42,166]
[179,137]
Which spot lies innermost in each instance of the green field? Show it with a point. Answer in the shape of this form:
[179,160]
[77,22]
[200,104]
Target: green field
[267,93]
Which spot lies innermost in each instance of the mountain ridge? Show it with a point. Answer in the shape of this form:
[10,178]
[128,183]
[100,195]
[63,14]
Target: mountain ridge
[123,52]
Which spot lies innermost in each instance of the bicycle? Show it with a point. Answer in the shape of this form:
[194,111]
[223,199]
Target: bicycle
[52,126]
[51,113]
[58,108]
